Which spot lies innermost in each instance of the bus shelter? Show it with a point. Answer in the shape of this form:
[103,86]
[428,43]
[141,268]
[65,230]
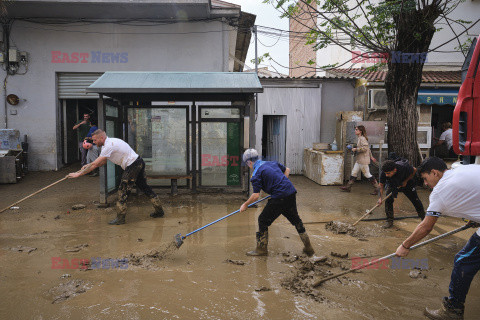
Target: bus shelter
[190,127]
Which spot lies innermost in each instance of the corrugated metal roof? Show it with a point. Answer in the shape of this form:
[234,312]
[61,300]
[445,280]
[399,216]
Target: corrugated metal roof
[176,82]
[311,77]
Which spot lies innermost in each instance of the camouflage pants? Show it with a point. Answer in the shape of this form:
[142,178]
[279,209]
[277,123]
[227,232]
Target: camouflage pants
[134,174]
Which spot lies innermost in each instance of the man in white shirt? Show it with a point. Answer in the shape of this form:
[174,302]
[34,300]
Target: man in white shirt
[120,153]
[446,138]
[455,193]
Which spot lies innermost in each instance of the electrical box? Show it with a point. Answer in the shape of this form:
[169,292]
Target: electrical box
[13,55]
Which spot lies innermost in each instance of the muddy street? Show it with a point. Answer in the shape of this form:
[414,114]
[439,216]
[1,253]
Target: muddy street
[60,263]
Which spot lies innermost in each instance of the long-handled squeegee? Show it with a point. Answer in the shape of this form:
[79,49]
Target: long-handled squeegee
[178,238]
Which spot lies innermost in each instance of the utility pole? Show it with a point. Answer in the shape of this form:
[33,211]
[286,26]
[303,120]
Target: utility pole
[256,50]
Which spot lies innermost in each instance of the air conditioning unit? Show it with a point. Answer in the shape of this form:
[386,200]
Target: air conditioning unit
[377,99]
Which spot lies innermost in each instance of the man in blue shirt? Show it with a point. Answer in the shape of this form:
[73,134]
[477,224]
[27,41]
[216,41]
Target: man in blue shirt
[272,177]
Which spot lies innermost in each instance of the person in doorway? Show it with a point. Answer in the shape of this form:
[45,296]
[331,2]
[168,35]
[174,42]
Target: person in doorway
[92,149]
[398,175]
[272,177]
[364,156]
[120,153]
[455,193]
[82,130]
[446,139]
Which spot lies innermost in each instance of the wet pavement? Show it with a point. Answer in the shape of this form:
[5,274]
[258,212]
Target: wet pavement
[209,276]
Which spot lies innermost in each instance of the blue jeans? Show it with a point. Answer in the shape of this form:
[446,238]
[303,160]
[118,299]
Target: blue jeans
[465,267]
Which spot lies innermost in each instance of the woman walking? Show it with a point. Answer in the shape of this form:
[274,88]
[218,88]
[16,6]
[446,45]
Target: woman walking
[363,160]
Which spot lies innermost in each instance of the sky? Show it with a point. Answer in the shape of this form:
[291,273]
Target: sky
[276,46]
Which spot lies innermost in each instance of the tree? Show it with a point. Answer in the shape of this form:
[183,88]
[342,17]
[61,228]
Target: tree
[399,30]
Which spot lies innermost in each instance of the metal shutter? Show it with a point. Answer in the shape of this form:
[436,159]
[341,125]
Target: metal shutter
[72,85]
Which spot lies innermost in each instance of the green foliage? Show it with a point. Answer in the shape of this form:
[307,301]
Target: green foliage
[464,47]
[264,57]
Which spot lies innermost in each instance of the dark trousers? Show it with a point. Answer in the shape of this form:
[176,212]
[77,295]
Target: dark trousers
[83,154]
[465,267]
[134,174]
[275,207]
[410,191]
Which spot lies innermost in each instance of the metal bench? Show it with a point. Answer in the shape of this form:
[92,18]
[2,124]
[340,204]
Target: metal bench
[173,178]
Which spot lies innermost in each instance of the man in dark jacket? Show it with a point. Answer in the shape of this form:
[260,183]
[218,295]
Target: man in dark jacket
[398,175]
[272,177]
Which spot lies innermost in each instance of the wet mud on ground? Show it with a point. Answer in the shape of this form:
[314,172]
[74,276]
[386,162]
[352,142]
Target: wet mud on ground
[209,276]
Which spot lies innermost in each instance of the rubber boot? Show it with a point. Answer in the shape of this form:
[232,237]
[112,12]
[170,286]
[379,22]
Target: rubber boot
[389,223]
[447,311]
[348,186]
[375,185]
[262,243]
[120,219]
[307,246]
[158,208]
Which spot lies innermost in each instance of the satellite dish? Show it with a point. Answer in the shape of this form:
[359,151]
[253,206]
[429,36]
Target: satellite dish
[13,99]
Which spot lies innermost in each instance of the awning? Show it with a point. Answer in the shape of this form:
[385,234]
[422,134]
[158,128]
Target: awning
[180,86]
[442,96]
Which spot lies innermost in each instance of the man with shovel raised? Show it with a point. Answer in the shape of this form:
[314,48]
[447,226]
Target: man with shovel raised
[455,193]
[272,177]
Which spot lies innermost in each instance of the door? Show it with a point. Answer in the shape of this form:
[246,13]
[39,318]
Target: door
[70,140]
[275,138]
[113,129]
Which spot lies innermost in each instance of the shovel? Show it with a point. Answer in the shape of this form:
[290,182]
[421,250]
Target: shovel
[371,210]
[45,188]
[178,238]
[319,282]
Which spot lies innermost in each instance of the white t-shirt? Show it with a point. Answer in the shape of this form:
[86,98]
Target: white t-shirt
[457,194]
[119,152]
[447,137]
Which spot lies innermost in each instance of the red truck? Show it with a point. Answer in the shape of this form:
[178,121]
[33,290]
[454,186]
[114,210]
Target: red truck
[466,116]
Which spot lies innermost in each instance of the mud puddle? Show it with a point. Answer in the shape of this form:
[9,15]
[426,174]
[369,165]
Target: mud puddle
[210,277]
[68,289]
[151,259]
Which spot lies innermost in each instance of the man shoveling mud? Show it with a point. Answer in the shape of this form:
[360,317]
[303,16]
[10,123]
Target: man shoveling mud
[272,177]
[399,175]
[455,193]
[120,153]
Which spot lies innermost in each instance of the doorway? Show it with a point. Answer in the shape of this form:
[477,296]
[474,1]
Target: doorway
[274,139]
[72,113]
[440,115]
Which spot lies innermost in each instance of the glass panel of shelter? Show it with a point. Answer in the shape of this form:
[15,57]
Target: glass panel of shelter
[219,146]
[113,129]
[159,135]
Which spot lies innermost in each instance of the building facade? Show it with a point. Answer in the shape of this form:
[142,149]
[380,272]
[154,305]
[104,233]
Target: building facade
[56,49]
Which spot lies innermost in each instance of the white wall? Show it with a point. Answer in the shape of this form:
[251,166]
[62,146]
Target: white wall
[303,109]
[197,46]
[468,10]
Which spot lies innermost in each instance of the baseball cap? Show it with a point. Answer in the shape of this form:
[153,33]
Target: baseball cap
[250,154]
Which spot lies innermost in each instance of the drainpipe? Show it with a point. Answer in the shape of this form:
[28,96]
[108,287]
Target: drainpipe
[5,59]
[5,101]
[256,70]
